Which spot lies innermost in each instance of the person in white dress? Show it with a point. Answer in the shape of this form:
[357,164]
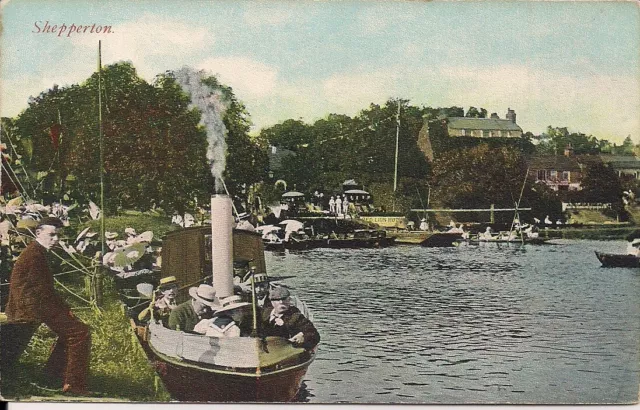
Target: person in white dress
[339,205]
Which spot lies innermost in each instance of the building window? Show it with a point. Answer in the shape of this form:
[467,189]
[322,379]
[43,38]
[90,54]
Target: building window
[565,175]
[482,133]
[463,132]
[509,134]
[541,175]
[554,174]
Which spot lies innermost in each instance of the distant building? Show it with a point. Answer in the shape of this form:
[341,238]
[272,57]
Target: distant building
[492,127]
[560,173]
[624,165]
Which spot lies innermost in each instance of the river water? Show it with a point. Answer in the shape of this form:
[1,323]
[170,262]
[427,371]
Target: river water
[471,324]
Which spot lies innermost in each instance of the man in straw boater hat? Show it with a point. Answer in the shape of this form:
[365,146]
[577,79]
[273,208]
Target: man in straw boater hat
[285,320]
[166,294]
[33,300]
[187,315]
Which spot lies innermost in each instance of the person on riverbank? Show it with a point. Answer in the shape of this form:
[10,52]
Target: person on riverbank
[339,205]
[187,315]
[332,205]
[34,300]
[285,320]
[345,206]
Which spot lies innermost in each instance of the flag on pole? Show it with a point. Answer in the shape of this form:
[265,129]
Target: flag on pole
[54,132]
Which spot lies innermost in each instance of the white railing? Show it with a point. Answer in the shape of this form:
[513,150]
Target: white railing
[584,205]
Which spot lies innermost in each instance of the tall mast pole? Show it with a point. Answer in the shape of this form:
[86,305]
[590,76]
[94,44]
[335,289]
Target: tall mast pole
[395,169]
[102,210]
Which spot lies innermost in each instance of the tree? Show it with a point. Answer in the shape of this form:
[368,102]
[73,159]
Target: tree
[478,177]
[155,151]
[555,140]
[601,184]
[473,112]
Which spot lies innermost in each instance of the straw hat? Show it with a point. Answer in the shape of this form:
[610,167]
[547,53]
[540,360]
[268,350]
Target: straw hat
[168,281]
[205,294]
[230,303]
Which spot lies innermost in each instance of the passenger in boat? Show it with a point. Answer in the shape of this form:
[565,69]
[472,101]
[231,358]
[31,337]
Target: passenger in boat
[166,296]
[423,224]
[633,248]
[229,319]
[285,320]
[33,300]
[187,315]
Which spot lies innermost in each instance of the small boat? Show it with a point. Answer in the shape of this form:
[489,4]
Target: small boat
[201,368]
[618,260]
[441,239]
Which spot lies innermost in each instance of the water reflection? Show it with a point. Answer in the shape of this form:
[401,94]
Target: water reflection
[538,324]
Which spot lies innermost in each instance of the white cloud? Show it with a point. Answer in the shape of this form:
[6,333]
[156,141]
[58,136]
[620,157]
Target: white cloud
[247,77]
[355,91]
[147,37]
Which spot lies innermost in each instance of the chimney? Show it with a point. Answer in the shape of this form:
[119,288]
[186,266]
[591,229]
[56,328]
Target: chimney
[511,115]
[568,150]
[494,116]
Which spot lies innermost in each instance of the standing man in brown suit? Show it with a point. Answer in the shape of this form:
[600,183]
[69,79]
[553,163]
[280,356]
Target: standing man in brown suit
[33,300]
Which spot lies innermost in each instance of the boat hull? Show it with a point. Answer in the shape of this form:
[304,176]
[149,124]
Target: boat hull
[612,260]
[193,384]
[202,380]
[441,239]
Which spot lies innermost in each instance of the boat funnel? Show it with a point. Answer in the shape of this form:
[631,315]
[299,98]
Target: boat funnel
[222,245]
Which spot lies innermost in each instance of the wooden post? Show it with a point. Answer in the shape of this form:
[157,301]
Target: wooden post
[492,218]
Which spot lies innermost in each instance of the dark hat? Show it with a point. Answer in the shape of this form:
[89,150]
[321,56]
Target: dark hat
[279,293]
[49,220]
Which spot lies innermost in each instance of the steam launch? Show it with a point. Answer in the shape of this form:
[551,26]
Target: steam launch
[200,368]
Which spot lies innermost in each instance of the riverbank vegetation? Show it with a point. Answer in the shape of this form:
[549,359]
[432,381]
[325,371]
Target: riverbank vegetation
[155,153]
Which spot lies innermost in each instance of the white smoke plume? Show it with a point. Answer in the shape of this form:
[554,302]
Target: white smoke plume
[213,104]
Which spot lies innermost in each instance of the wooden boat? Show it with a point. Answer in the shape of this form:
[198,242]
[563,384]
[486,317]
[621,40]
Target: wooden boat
[200,368]
[615,260]
[516,241]
[441,239]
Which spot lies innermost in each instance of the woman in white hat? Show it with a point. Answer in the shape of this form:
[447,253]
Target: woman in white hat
[226,320]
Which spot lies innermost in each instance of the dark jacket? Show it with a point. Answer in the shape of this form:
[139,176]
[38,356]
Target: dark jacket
[183,317]
[294,323]
[32,296]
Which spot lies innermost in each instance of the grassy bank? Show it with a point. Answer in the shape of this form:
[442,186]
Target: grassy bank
[119,368]
[602,233]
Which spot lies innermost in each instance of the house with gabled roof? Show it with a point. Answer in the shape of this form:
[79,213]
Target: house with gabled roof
[493,127]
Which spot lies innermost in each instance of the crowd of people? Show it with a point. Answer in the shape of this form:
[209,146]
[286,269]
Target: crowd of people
[231,316]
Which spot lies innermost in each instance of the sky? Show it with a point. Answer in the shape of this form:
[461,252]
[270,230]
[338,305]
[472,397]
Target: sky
[561,64]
